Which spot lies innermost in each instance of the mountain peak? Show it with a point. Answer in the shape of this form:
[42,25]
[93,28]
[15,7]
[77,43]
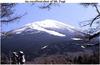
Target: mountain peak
[48,23]
[52,27]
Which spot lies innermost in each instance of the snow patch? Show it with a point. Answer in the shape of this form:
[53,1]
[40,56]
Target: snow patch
[37,27]
[18,31]
[82,46]
[76,39]
[44,47]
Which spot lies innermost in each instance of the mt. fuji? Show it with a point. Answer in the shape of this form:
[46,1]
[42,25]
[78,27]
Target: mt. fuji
[47,36]
[49,26]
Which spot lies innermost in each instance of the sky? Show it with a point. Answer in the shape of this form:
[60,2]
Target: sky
[68,13]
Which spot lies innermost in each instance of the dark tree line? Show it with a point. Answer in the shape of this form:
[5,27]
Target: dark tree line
[60,59]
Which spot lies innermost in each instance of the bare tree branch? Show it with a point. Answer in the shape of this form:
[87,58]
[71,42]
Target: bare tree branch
[95,5]
[5,9]
[85,23]
[12,19]
[94,19]
[94,35]
[9,20]
[97,9]
[47,6]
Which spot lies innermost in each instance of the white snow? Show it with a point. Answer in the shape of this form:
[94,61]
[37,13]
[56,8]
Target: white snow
[33,26]
[52,24]
[47,24]
[55,33]
[43,25]
[83,46]
[76,39]
[44,47]
[18,31]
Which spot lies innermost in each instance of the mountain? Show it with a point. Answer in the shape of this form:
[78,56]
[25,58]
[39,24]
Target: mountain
[43,37]
[49,26]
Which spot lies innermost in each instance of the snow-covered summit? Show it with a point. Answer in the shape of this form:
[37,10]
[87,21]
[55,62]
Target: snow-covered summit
[47,26]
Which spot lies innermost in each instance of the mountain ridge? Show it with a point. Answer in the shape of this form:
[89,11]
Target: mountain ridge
[49,26]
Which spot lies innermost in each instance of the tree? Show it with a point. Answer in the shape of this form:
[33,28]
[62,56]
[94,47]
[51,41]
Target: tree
[95,5]
[95,19]
[7,13]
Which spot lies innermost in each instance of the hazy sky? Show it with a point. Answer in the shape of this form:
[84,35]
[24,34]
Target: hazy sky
[70,14]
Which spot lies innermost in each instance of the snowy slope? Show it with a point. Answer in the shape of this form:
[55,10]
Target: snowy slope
[48,26]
